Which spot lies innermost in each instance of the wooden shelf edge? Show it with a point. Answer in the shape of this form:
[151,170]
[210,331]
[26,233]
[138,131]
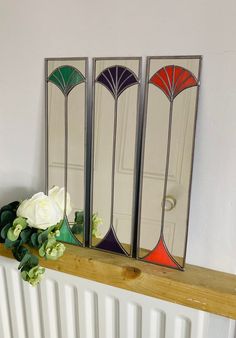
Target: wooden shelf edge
[196,287]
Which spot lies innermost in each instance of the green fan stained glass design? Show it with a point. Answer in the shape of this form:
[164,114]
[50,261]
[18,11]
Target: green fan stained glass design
[66,78]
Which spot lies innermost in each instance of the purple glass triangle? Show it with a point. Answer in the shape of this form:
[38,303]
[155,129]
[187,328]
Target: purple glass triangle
[110,243]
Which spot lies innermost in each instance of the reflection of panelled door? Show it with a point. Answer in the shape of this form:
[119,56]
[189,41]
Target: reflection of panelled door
[124,163]
[180,134]
[75,146]
[104,135]
[154,166]
[153,173]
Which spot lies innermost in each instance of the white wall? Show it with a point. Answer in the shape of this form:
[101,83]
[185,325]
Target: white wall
[31,30]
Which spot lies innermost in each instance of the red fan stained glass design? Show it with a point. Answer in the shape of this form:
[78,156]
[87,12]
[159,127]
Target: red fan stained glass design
[172,80]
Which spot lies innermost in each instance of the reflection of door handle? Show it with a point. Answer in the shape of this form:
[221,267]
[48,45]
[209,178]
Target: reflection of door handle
[170,203]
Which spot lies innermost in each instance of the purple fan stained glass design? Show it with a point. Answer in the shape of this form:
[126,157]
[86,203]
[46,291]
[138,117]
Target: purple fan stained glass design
[116,79]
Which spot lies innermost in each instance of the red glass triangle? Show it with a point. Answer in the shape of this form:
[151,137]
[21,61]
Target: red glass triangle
[160,255]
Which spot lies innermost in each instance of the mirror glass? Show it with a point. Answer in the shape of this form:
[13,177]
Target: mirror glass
[116,97]
[66,105]
[171,101]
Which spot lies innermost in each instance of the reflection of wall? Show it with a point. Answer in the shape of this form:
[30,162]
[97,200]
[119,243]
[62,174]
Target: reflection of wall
[149,237]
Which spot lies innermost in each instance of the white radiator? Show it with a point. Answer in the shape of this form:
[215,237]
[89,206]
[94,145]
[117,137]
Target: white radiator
[64,306]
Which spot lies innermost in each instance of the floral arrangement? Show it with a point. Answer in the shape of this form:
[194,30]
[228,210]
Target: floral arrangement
[34,223]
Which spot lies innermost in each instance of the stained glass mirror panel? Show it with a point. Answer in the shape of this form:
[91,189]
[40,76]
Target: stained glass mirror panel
[66,106]
[171,102]
[116,97]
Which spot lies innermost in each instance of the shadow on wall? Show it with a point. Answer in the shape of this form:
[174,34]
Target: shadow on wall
[14,194]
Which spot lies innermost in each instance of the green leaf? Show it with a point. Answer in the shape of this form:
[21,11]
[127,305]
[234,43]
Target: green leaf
[10,245]
[79,217]
[34,240]
[5,207]
[31,263]
[19,252]
[7,217]
[28,261]
[42,250]
[5,230]
[50,242]
[34,261]
[24,275]
[11,236]
[54,250]
[25,235]
[66,78]
[24,260]
[13,206]
[20,220]
[43,236]
[77,228]
[33,275]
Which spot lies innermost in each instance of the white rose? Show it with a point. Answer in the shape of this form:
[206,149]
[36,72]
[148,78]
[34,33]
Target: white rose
[58,195]
[40,211]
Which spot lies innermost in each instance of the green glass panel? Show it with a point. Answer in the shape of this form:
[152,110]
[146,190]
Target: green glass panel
[66,78]
[66,235]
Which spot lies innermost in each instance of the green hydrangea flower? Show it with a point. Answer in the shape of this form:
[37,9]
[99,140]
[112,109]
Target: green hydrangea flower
[54,234]
[34,275]
[96,221]
[19,224]
[57,233]
[51,249]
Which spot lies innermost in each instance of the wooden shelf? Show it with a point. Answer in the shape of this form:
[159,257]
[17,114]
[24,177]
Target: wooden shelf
[196,287]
